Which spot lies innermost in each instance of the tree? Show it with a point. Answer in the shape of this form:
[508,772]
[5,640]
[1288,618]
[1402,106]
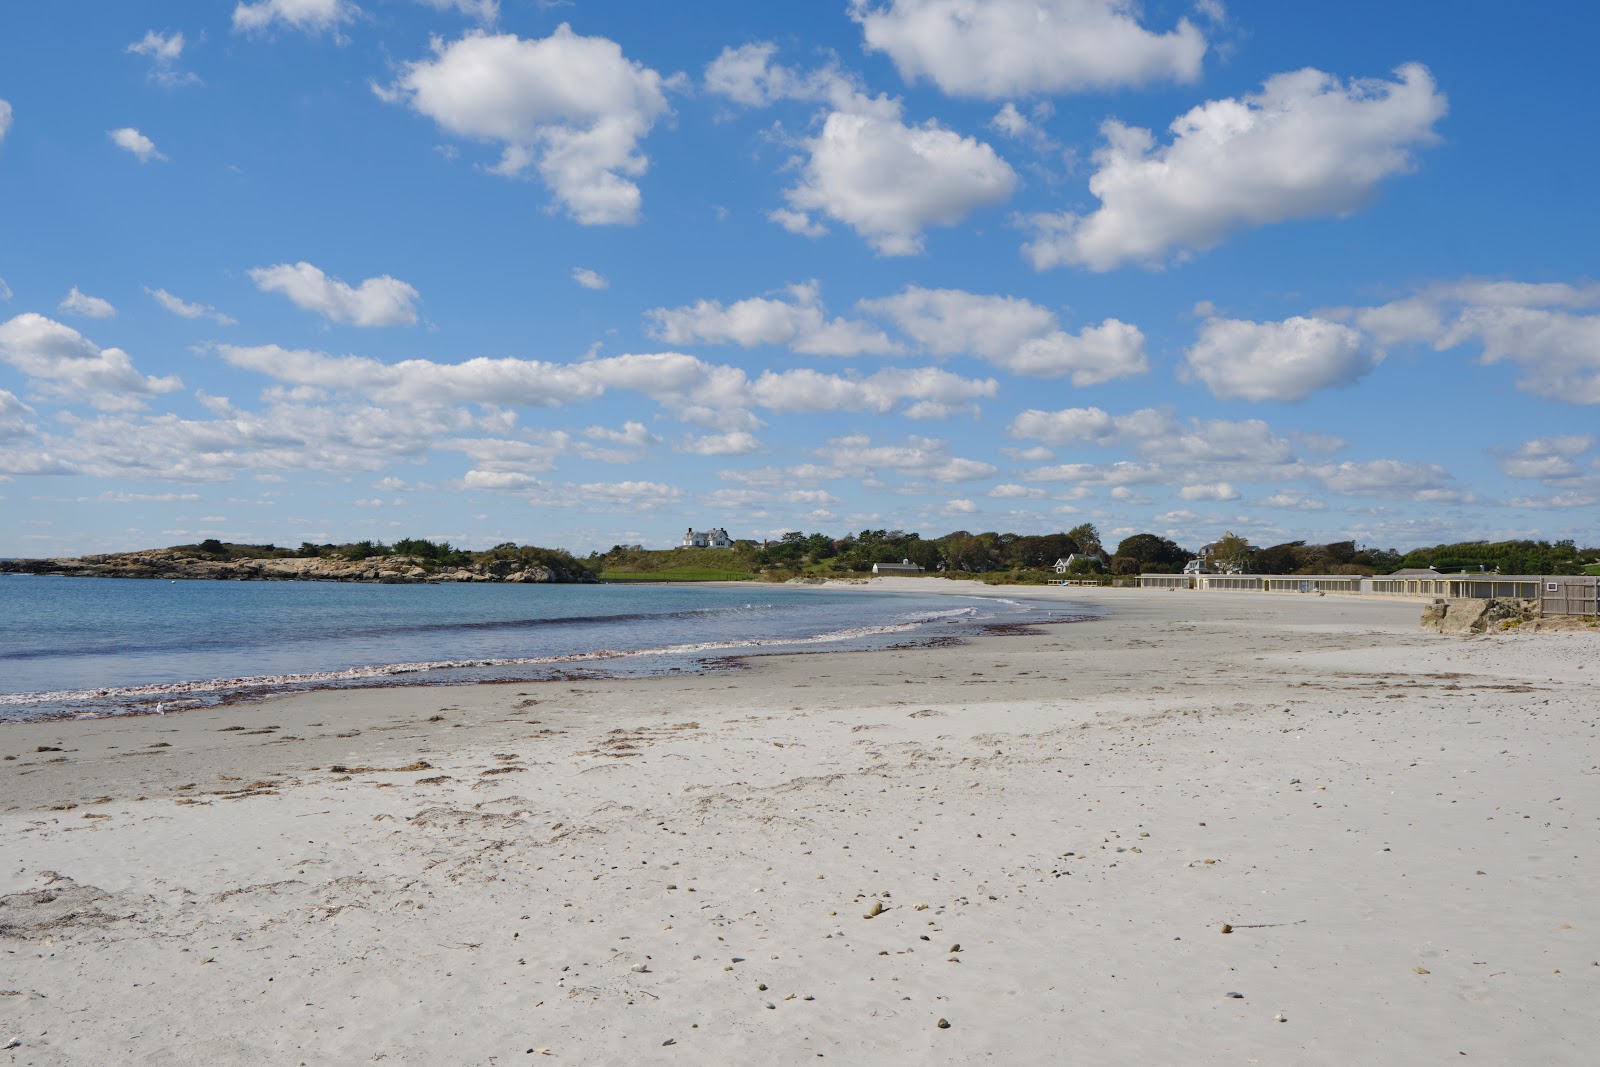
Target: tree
[212,547]
[1086,536]
[1151,553]
[1233,552]
[1281,559]
[1085,565]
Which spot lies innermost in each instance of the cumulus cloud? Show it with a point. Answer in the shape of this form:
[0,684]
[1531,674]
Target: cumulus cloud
[90,307]
[64,365]
[1214,491]
[1390,478]
[13,418]
[381,301]
[889,181]
[1292,501]
[1156,434]
[1282,361]
[1015,334]
[715,396]
[801,323]
[1013,491]
[1306,146]
[998,48]
[1545,329]
[633,496]
[573,108]
[183,309]
[590,279]
[1203,459]
[311,16]
[747,75]
[164,50]
[924,458]
[1546,459]
[131,140]
[736,443]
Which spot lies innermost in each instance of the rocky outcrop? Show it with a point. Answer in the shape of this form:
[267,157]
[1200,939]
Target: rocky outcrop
[157,563]
[1478,616]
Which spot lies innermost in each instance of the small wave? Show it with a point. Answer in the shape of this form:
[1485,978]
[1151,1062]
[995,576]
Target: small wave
[389,670]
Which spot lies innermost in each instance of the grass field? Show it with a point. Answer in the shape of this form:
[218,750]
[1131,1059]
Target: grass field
[676,574]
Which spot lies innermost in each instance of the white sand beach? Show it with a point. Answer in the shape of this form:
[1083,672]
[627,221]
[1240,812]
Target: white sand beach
[1052,828]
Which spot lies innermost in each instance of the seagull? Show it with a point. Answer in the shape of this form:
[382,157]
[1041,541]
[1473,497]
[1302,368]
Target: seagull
[161,709]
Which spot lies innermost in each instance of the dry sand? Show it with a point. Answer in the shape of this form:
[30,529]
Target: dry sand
[1400,829]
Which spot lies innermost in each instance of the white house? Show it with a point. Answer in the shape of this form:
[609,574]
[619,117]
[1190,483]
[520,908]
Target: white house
[1062,565]
[905,566]
[715,537]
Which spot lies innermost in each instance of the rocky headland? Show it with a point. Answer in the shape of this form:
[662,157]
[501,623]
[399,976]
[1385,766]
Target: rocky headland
[175,566]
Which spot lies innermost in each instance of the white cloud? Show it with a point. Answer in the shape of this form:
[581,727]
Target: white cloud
[1548,459]
[13,418]
[959,507]
[889,181]
[800,323]
[1015,334]
[1122,472]
[737,443]
[5,118]
[865,167]
[1306,146]
[633,496]
[632,434]
[1214,491]
[1012,491]
[381,301]
[590,279]
[1282,361]
[485,11]
[1387,478]
[711,395]
[67,366]
[90,307]
[1539,327]
[924,458]
[747,75]
[1011,122]
[1293,501]
[183,309]
[311,16]
[164,50]
[1000,48]
[5,291]
[131,140]
[574,108]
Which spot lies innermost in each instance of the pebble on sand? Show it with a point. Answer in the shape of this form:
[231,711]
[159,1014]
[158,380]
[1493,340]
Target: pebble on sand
[944,1024]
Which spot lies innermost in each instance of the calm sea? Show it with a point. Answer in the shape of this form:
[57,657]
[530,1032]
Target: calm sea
[108,646]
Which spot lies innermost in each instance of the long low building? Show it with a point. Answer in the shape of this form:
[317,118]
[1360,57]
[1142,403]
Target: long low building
[1557,594]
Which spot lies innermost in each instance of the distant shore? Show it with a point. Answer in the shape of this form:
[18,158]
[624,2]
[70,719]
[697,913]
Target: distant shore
[1220,829]
[175,566]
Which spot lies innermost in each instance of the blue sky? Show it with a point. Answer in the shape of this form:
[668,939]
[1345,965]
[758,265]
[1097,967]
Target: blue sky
[585,273]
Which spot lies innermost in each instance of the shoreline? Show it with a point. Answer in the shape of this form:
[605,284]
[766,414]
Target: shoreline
[461,874]
[188,694]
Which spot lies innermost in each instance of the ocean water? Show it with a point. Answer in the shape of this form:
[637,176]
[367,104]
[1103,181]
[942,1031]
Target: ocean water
[108,646]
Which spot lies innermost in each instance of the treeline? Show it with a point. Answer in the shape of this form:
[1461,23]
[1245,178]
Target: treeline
[1507,557]
[997,556]
[434,555]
